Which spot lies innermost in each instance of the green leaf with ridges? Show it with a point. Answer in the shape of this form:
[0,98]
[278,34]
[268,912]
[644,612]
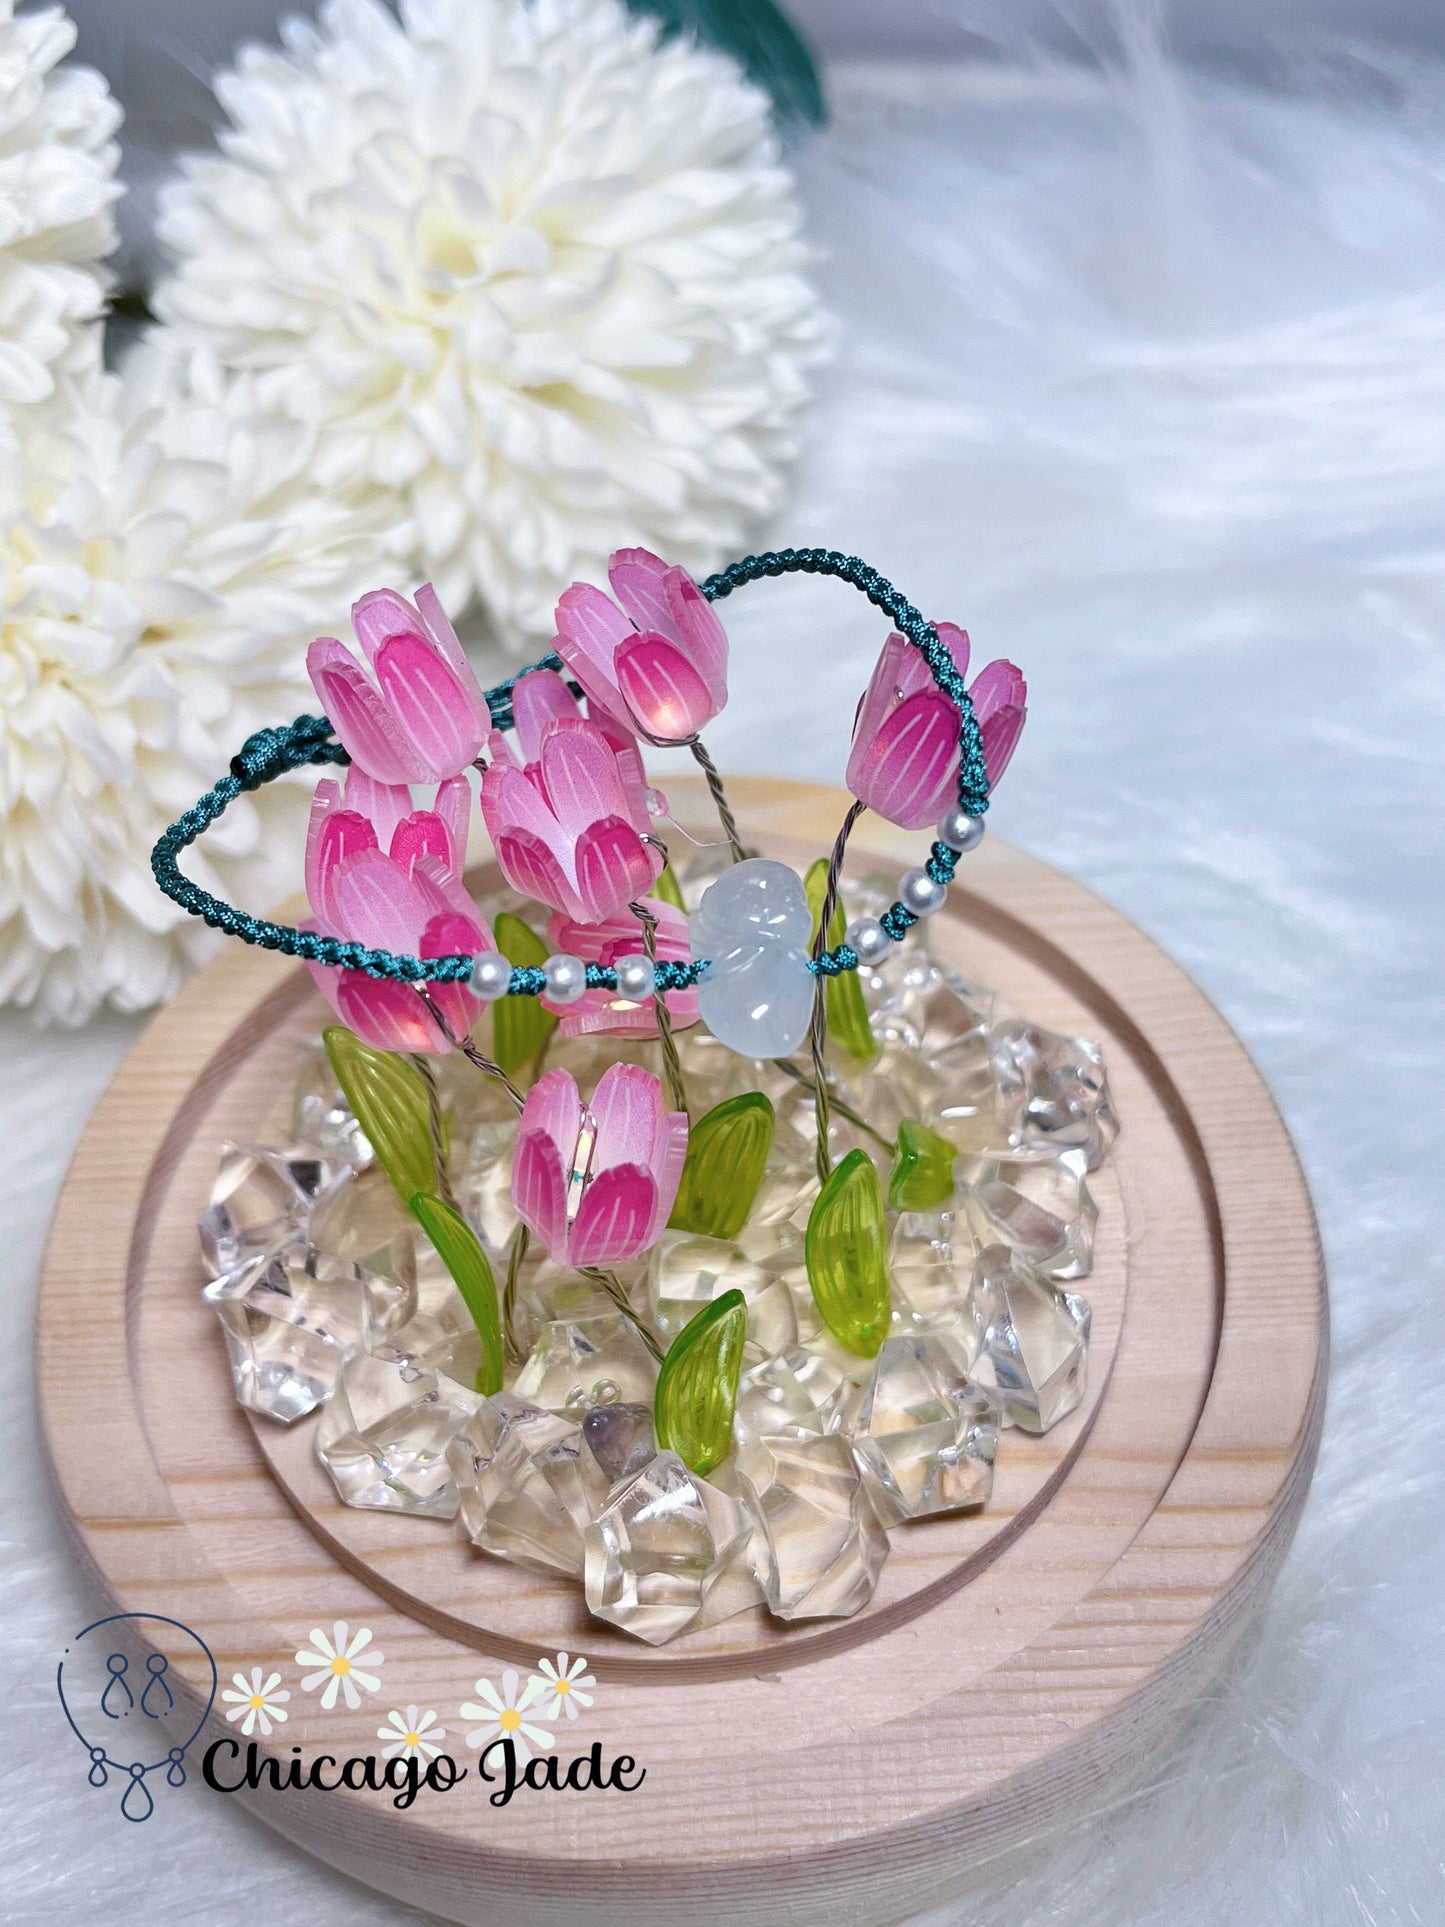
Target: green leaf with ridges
[668,890]
[846,1248]
[843,1003]
[697,1388]
[727,1152]
[389,1100]
[922,1175]
[460,1251]
[520,1026]
[763,41]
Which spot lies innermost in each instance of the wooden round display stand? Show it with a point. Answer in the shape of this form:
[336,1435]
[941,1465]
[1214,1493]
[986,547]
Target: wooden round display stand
[1010,1668]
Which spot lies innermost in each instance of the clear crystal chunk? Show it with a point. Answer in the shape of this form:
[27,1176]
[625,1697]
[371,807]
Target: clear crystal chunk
[688,1272]
[320,1114]
[259,1202]
[1034,1340]
[823,1542]
[384,1434]
[577,1363]
[1040,1206]
[661,1546]
[924,1434]
[621,1439]
[361,1219]
[527,1483]
[798,1394]
[291,1326]
[1057,1089]
[485,1190]
[930,1262]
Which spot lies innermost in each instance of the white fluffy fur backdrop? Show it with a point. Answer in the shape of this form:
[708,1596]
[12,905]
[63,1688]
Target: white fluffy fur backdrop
[1142,377]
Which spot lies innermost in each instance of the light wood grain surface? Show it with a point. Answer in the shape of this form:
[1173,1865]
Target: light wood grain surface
[1011,1666]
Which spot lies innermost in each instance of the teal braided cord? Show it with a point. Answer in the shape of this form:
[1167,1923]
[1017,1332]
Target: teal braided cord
[897,920]
[271,752]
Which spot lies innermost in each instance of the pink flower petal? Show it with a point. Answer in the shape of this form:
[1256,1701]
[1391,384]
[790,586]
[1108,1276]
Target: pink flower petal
[662,690]
[905,771]
[382,804]
[539,1190]
[667,1162]
[638,579]
[529,866]
[450,935]
[704,638]
[366,727]
[386,1015]
[332,835]
[421,834]
[380,614]
[612,1220]
[441,711]
[626,1107]
[439,627]
[441,892]
[454,806]
[614,865]
[579,776]
[539,699]
[955,640]
[589,627]
[554,1107]
[376,903]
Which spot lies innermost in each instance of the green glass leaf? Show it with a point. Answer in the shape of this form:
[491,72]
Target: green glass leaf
[520,1026]
[843,1003]
[847,1255]
[388,1097]
[460,1251]
[697,1388]
[761,38]
[727,1151]
[668,889]
[922,1176]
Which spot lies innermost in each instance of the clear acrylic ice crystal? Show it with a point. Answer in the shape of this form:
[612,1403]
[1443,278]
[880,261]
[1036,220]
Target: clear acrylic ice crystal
[1056,1088]
[528,1484]
[261,1201]
[798,1394]
[1038,1204]
[661,1547]
[484,1192]
[1033,1340]
[688,1272]
[930,1261]
[320,1114]
[822,1542]
[291,1326]
[384,1434]
[924,1434]
[577,1363]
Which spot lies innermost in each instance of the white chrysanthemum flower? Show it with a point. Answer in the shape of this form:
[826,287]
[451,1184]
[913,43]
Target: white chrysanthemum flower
[161,573]
[522,265]
[57,168]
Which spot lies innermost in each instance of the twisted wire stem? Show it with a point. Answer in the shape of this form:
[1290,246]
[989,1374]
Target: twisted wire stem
[517,1251]
[720,799]
[470,1051]
[818,1028]
[612,1285]
[671,1062]
[434,1121]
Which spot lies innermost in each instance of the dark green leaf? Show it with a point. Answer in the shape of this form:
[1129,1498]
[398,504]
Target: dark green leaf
[763,41]
[846,1249]
[520,1026]
[460,1251]
[388,1097]
[727,1151]
[697,1388]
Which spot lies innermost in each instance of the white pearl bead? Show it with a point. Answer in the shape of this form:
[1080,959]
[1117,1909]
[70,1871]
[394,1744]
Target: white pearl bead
[960,831]
[636,978]
[869,939]
[566,978]
[491,974]
[918,892]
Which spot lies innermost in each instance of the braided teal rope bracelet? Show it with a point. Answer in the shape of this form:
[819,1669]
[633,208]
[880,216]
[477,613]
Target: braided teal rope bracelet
[272,752]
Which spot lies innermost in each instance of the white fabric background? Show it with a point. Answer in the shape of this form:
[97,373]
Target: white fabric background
[1142,377]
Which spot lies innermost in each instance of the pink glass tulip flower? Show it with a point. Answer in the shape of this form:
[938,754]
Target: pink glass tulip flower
[596,1185]
[904,761]
[568,822]
[407,897]
[655,658]
[604,943]
[424,718]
